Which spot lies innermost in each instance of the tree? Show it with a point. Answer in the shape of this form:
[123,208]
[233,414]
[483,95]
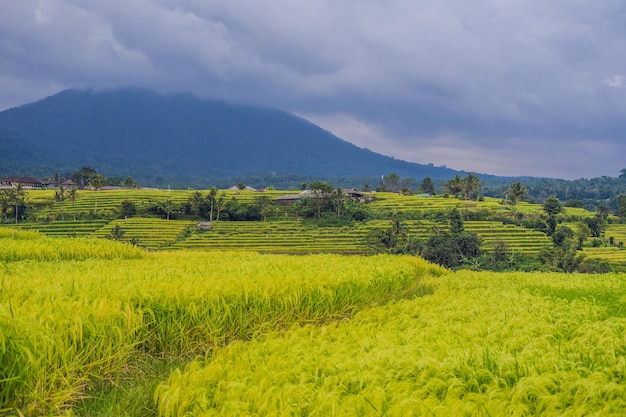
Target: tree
[582,232]
[517,191]
[562,236]
[72,194]
[452,248]
[129,182]
[603,211]
[127,209]
[211,201]
[97,182]
[196,201]
[338,196]
[392,182]
[574,202]
[116,233]
[552,206]
[265,205]
[20,198]
[321,192]
[405,187]
[59,197]
[6,201]
[428,186]
[392,239]
[84,176]
[454,185]
[168,208]
[219,204]
[455,222]
[471,183]
[562,256]
[596,225]
[621,206]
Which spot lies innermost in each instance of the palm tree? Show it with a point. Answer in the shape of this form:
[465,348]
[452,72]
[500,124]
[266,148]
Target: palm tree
[211,199]
[196,200]
[338,195]
[72,196]
[321,191]
[471,183]
[517,191]
[219,204]
[97,182]
[59,197]
[454,185]
[168,207]
[20,197]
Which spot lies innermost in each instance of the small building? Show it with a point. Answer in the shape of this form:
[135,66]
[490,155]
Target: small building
[25,182]
[245,188]
[356,195]
[204,226]
[288,199]
[349,194]
[67,184]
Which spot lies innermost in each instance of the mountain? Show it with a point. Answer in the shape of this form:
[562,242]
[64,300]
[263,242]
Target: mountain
[179,140]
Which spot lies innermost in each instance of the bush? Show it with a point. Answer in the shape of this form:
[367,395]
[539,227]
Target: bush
[451,250]
[594,266]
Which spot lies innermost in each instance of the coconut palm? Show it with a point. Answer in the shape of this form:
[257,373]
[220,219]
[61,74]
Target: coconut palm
[454,185]
[517,191]
[471,183]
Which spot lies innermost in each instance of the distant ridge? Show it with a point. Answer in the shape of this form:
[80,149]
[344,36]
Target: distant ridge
[180,140]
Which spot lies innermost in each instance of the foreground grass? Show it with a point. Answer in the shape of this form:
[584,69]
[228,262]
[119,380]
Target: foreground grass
[482,344]
[98,334]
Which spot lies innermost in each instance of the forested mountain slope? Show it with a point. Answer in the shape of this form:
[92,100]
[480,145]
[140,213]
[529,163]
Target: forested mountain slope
[178,139]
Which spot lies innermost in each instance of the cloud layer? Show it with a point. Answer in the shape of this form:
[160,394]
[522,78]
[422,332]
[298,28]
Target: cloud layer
[506,87]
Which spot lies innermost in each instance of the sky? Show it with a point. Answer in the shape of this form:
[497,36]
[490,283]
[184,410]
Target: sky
[504,87]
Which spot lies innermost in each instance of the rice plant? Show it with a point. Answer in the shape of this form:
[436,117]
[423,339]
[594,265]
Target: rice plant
[71,326]
[483,344]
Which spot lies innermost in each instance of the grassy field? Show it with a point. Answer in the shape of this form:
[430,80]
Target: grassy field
[78,321]
[92,327]
[482,344]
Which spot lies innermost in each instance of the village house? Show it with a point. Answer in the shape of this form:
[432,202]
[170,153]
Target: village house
[25,182]
[349,194]
[67,184]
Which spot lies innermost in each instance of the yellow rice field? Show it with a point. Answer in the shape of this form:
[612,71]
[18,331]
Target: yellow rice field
[314,335]
[482,344]
[70,326]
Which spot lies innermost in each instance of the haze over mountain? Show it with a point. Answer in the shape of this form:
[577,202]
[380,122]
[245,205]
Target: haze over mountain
[180,140]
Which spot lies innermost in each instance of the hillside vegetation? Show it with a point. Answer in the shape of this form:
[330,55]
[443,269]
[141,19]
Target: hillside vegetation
[180,140]
[512,236]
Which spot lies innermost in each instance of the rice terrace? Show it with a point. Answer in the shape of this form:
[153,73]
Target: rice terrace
[315,302]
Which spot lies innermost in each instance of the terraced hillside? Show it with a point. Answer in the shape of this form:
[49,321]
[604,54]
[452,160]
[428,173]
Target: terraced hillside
[617,232]
[106,203]
[66,228]
[393,202]
[285,232]
[276,237]
[296,237]
[148,233]
[610,254]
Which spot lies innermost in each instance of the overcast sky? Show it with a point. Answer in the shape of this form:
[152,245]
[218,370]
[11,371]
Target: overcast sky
[507,87]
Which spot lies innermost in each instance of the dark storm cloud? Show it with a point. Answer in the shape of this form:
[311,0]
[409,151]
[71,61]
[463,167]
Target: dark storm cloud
[498,86]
